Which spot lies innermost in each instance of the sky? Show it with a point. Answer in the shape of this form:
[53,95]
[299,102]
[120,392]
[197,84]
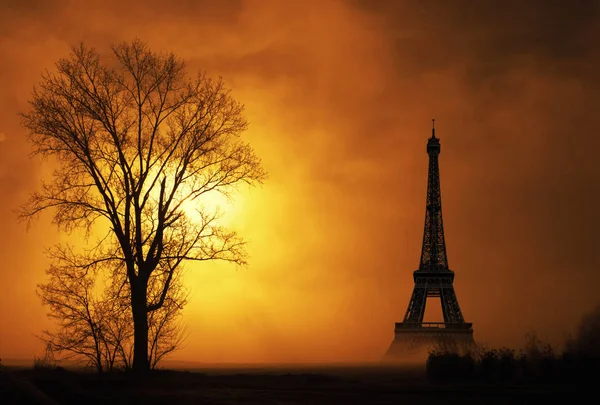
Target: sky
[340,95]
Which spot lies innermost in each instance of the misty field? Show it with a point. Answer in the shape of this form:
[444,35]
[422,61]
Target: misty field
[535,373]
[349,384]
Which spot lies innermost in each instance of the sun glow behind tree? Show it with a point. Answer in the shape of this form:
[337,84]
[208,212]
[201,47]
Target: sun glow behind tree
[145,149]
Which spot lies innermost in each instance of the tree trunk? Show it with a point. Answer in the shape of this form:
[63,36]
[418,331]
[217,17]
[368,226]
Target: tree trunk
[141,363]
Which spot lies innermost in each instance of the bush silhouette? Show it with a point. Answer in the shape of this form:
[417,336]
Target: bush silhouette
[450,366]
[537,362]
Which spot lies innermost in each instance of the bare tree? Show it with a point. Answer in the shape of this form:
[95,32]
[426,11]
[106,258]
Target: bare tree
[134,141]
[94,324]
[69,295]
[166,331]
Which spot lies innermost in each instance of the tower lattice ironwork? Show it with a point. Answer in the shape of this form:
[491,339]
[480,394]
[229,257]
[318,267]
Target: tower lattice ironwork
[433,278]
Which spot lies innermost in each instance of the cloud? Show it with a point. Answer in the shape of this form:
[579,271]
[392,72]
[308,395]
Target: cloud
[340,95]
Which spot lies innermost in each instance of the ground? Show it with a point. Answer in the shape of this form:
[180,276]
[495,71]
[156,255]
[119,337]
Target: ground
[268,385]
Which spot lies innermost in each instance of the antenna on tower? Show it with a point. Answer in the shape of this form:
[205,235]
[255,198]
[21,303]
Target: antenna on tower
[433,127]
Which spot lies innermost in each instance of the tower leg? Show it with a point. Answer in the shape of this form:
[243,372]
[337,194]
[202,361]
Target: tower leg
[416,307]
[450,307]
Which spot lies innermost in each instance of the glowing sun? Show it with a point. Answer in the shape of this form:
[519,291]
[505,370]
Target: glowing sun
[211,202]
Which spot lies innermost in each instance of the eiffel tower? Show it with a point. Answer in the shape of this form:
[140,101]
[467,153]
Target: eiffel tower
[433,278]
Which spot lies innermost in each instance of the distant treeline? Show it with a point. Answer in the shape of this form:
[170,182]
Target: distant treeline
[537,362]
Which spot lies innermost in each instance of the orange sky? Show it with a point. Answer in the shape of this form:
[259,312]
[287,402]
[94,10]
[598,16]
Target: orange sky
[340,95]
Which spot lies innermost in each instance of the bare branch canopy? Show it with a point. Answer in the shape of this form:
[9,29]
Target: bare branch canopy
[135,140]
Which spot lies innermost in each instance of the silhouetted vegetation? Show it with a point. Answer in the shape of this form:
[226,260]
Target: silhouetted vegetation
[537,362]
[137,147]
[316,385]
[93,323]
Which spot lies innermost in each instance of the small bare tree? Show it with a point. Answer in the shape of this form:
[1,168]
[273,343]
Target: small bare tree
[166,331]
[69,296]
[94,323]
[134,142]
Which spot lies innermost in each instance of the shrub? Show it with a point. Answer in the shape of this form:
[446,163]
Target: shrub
[537,362]
[449,361]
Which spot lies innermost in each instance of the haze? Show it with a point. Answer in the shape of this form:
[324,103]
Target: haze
[340,95]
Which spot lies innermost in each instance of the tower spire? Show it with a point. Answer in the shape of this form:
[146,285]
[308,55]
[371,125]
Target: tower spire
[433,128]
[433,254]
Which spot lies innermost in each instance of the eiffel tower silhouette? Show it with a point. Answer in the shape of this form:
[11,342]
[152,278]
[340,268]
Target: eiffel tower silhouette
[433,278]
